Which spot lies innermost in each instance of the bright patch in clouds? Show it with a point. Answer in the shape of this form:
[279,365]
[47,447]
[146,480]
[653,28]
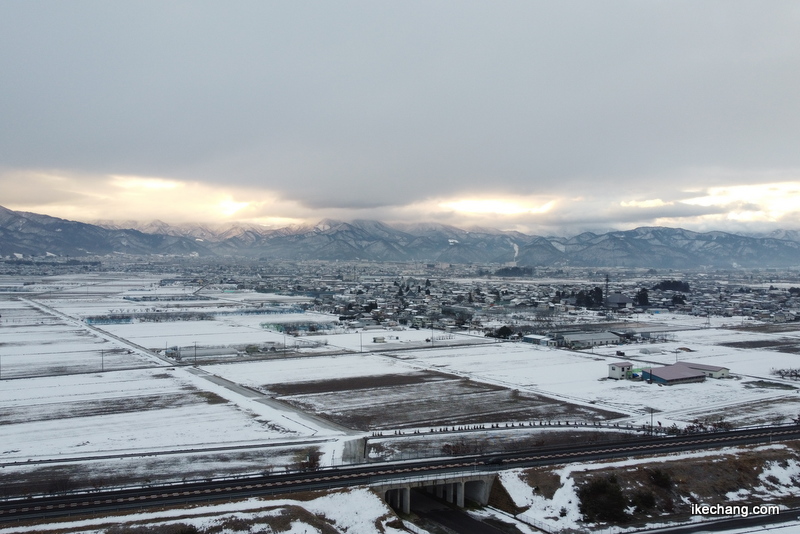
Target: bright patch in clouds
[144,184]
[499,207]
[144,198]
[230,207]
[761,201]
[655,203]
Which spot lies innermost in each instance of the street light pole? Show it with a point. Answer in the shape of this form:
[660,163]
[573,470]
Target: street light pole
[195,353]
[102,360]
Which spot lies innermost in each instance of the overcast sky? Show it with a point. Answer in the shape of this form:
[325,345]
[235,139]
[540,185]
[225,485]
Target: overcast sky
[544,117]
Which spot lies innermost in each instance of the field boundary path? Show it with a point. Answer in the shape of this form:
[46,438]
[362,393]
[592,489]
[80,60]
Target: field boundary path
[353,443]
[98,331]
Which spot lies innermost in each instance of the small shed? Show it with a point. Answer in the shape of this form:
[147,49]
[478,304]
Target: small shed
[620,370]
[545,341]
[533,338]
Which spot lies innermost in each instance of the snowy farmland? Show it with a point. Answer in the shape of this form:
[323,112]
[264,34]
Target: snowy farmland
[141,425]
[376,392]
[90,399]
[37,343]
[581,378]
[124,411]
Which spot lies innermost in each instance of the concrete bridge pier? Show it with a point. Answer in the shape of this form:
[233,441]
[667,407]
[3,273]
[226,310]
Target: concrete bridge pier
[455,489]
[459,497]
[399,499]
[477,490]
[454,493]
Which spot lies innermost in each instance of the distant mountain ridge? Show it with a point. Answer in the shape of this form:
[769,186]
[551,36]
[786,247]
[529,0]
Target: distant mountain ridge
[30,234]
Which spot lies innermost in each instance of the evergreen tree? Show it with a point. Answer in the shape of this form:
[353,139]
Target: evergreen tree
[642,297]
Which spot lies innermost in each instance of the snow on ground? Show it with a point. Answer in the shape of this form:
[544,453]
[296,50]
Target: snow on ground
[581,377]
[780,479]
[572,376]
[518,488]
[308,369]
[562,512]
[403,339]
[214,333]
[707,349]
[250,296]
[86,414]
[352,511]
[284,420]
[39,343]
[159,409]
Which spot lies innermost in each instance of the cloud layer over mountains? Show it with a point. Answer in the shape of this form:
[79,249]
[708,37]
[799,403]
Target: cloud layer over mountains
[537,116]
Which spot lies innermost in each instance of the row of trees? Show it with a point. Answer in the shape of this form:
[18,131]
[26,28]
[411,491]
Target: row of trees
[672,285]
[593,298]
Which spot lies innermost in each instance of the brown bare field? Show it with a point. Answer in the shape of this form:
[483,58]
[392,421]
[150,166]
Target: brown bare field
[86,408]
[355,383]
[787,345]
[426,399]
[769,328]
[94,475]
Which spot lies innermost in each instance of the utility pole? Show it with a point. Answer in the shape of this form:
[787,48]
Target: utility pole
[102,360]
[195,353]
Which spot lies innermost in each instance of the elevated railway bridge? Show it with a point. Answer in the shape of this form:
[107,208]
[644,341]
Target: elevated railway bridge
[454,479]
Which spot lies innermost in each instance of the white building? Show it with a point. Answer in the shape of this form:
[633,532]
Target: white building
[619,370]
[578,341]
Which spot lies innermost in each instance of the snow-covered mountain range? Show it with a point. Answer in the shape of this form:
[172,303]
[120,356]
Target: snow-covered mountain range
[31,234]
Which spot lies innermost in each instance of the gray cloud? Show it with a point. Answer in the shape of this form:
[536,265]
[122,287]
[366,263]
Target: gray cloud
[369,107]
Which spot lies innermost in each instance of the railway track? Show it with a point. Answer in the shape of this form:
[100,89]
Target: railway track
[34,508]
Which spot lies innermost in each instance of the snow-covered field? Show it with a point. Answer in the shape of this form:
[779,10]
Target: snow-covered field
[310,369]
[234,331]
[44,335]
[36,343]
[126,411]
[752,397]
[130,427]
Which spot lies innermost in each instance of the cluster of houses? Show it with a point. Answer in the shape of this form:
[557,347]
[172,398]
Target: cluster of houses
[443,295]
[460,297]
